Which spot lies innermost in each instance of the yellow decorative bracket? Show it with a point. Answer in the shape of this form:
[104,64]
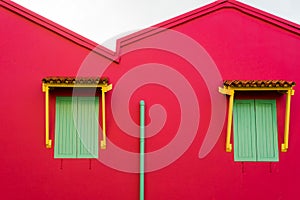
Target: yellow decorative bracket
[62,82]
[103,141]
[48,141]
[227,90]
[285,145]
[229,122]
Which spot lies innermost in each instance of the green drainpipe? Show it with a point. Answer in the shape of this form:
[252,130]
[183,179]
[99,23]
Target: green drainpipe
[142,149]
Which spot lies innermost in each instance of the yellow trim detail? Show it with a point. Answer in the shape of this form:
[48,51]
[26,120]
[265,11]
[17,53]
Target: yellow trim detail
[285,145]
[229,122]
[48,141]
[47,86]
[231,90]
[103,141]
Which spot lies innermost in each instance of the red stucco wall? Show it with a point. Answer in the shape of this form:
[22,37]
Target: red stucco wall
[241,46]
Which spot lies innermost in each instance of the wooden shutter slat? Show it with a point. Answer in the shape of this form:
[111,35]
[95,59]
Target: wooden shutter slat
[266,130]
[87,127]
[244,130]
[65,132]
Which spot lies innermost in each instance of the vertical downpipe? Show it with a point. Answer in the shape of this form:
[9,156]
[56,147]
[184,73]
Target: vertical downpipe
[142,148]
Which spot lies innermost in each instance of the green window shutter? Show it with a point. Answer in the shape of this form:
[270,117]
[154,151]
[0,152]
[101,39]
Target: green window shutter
[65,132]
[87,127]
[266,130]
[76,127]
[244,130]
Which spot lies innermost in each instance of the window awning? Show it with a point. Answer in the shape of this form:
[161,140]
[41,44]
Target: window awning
[258,84]
[74,82]
[231,86]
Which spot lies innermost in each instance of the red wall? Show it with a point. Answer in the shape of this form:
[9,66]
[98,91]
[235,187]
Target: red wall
[241,46]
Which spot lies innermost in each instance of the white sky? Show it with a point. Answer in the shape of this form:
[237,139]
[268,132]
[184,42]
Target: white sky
[104,21]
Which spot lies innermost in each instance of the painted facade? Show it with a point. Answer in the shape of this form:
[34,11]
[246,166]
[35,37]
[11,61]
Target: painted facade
[176,67]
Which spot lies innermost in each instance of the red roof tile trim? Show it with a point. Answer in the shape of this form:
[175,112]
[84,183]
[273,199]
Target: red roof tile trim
[248,10]
[56,28]
[76,80]
[258,83]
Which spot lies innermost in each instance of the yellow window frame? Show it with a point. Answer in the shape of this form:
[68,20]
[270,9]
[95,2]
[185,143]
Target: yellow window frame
[229,90]
[67,82]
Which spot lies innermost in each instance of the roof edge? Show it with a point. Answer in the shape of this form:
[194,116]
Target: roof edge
[267,17]
[204,10]
[147,32]
[181,19]
[58,29]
